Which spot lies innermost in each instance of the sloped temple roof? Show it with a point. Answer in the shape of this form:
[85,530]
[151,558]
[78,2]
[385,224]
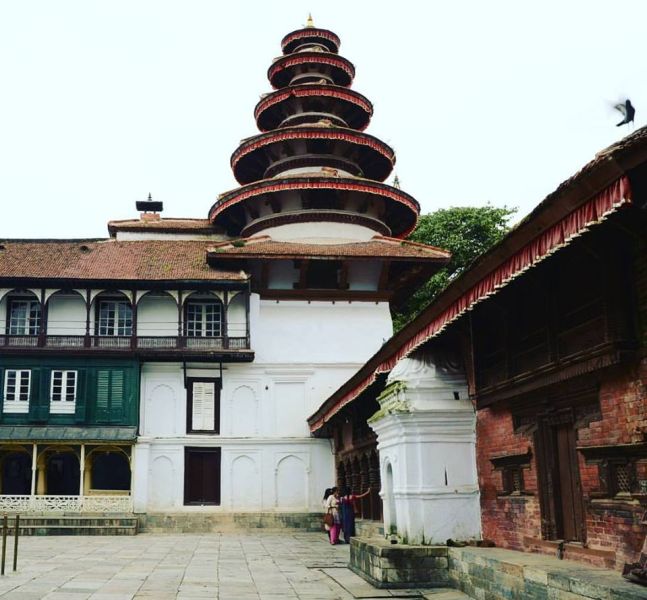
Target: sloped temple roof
[152,260]
[585,199]
[377,247]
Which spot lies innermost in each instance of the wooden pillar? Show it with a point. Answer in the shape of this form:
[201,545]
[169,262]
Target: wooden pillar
[82,470]
[87,475]
[247,300]
[34,459]
[225,316]
[88,303]
[131,463]
[366,502]
[43,319]
[41,476]
[133,332]
[374,482]
[180,333]
[356,481]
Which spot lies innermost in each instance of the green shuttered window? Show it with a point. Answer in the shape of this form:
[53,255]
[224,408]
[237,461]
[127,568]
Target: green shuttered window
[110,395]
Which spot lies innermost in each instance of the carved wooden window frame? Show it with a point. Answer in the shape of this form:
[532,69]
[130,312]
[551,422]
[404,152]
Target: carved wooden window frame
[512,467]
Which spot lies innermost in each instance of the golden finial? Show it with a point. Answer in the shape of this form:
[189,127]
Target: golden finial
[310,22]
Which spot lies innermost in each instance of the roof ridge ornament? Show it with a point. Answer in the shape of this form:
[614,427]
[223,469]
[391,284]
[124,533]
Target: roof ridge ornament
[310,21]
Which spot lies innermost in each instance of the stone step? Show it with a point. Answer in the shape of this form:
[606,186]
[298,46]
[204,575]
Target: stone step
[35,530]
[445,594]
[78,521]
[76,525]
[228,522]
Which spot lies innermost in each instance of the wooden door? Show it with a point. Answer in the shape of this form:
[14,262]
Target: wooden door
[560,491]
[569,499]
[202,476]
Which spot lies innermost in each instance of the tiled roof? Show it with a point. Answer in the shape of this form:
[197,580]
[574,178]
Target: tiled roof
[377,247]
[110,260]
[167,225]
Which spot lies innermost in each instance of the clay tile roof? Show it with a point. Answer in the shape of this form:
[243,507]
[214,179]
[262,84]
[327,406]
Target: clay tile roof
[377,247]
[170,225]
[110,260]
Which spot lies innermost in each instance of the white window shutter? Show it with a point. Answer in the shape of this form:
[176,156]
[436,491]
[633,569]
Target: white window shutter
[204,405]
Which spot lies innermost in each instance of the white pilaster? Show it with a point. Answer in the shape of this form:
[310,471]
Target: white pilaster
[139,465]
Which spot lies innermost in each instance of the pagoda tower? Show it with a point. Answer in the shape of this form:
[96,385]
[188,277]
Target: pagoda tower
[312,173]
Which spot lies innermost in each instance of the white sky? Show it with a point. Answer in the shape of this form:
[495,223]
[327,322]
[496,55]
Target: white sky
[102,102]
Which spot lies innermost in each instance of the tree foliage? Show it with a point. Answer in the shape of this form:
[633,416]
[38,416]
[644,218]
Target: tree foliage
[466,232]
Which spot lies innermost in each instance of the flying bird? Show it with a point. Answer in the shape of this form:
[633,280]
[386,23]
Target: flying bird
[628,112]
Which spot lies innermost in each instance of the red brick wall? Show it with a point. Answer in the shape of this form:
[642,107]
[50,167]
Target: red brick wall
[506,520]
[611,525]
[614,525]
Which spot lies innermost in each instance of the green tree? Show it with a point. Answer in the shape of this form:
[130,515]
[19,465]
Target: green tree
[466,232]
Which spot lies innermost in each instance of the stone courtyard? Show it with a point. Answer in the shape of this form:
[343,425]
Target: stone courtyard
[228,566]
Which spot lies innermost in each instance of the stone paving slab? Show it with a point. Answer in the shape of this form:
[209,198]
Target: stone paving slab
[223,566]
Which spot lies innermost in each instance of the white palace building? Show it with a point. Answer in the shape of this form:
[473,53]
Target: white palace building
[171,367]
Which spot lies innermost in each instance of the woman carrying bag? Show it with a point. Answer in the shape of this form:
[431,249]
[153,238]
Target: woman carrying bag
[331,517]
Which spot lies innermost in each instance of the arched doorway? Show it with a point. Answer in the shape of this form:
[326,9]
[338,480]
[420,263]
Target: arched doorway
[16,474]
[110,471]
[63,475]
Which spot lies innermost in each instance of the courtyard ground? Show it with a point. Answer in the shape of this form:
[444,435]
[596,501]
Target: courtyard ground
[228,566]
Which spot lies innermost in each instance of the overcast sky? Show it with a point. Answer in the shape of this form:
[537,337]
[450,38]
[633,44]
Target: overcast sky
[102,102]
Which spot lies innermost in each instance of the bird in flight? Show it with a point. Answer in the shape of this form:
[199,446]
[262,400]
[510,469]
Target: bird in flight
[628,112]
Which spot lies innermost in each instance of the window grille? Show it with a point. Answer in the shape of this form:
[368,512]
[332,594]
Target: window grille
[62,395]
[17,389]
[204,319]
[24,317]
[115,318]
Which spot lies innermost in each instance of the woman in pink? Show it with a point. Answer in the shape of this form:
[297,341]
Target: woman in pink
[332,507]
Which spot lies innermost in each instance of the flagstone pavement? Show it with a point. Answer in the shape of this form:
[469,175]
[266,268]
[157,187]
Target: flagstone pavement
[227,566]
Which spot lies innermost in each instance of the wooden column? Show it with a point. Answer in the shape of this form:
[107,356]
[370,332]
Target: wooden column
[180,333]
[133,332]
[225,316]
[88,303]
[248,293]
[41,482]
[43,319]
[366,502]
[87,475]
[34,467]
[82,469]
[374,482]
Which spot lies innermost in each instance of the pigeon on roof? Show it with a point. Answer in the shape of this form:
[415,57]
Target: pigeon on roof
[628,112]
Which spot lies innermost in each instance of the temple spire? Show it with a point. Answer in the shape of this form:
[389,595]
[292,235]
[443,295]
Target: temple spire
[310,22]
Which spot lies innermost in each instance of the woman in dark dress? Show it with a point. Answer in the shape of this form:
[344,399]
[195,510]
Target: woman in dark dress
[347,505]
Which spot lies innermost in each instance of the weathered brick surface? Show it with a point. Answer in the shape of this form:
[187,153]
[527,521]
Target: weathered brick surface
[611,525]
[506,519]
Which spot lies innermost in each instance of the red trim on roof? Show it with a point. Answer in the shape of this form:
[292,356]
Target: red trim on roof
[536,250]
[264,187]
[320,90]
[362,139]
[310,32]
[311,57]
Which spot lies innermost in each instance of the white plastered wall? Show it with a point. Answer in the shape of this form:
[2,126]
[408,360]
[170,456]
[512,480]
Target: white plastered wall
[303,352]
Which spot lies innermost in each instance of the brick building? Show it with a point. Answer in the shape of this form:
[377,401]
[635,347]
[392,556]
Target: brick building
[548,333]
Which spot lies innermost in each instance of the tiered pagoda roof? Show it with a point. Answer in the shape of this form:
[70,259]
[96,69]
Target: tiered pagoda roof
[312,161]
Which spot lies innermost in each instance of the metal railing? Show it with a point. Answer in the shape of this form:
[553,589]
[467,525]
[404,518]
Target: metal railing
[62,504]
[5,531]
[142,342]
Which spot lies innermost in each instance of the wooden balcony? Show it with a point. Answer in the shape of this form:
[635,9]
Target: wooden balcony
[145,346]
